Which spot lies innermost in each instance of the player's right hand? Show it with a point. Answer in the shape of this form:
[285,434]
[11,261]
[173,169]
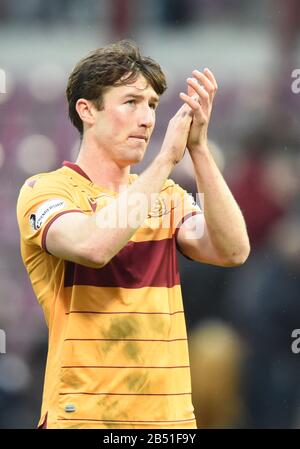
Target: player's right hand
[177,133]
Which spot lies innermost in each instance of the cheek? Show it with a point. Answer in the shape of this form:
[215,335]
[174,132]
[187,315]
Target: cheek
[154,120]
[117,123]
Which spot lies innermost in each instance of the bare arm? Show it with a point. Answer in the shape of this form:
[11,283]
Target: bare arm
[86,240]
[225,240]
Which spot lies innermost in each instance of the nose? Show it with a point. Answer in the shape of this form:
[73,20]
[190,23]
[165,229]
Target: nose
[147,117]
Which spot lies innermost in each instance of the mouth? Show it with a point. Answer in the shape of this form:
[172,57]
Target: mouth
[139,137]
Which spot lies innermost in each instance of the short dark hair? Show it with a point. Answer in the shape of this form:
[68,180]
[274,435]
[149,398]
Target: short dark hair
[108,66]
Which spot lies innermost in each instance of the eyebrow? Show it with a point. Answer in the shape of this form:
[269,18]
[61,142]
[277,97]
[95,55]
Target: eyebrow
[141,97]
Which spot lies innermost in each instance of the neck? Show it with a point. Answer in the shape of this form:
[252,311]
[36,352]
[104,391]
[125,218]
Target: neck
[100,169]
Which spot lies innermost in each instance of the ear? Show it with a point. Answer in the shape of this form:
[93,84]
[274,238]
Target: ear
[85,109]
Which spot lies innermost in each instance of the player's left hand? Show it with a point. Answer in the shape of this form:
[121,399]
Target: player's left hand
[201,92]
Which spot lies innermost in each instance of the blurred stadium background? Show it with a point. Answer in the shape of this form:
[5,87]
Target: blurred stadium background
[239,320]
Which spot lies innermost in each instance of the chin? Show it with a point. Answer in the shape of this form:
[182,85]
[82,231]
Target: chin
[134,161]
[130,161]
[138,157]
[132,156]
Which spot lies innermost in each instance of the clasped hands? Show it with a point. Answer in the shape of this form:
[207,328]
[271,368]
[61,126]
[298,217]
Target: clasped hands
[201,91]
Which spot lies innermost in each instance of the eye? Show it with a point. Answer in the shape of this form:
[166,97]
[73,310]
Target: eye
[153,106]
[132,101]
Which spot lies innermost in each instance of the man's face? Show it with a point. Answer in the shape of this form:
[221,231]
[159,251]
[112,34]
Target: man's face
[123,128]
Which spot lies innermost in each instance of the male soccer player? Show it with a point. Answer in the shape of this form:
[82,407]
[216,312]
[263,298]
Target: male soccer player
[99,245]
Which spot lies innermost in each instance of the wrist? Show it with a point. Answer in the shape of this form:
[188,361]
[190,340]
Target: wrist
[165,161]
[201,149]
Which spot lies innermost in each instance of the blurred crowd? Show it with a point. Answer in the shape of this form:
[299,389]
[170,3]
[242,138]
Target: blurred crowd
[240,320]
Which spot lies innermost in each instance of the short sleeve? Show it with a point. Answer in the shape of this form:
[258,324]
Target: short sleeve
[41,201]
[184,206]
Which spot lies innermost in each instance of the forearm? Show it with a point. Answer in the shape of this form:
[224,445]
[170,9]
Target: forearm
[224,220]
[114,225]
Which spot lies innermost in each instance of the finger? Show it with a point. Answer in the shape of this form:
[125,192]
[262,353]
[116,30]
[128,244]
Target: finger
[194,99]
[184,110]
[193,104]
[203,79]
[198,88]
[190,91]
[211,76]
